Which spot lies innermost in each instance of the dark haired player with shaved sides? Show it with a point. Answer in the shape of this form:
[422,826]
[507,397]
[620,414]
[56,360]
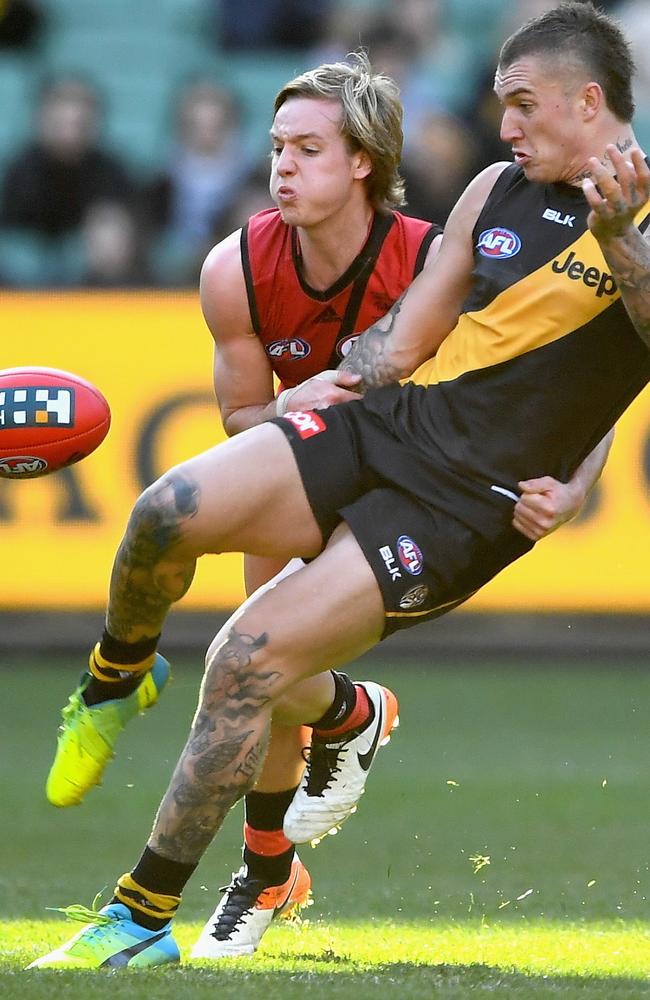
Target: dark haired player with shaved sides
[537,353]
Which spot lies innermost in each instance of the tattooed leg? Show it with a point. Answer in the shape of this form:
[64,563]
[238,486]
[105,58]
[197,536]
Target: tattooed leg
[225,750]
[260,654]
[145,582]
[257,657]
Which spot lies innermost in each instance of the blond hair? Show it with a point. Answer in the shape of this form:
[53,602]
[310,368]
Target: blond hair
[371,118]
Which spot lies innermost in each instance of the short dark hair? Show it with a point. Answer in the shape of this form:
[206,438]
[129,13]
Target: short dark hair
[577,28]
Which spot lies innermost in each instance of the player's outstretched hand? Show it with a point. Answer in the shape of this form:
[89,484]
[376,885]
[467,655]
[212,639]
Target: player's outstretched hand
[545,504]
[615,200]
[320,391]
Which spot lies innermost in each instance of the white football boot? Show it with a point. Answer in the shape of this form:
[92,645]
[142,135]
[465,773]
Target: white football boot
[337,771]
[246,910]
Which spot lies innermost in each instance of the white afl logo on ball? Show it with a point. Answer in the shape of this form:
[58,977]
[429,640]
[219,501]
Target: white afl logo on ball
[17,466]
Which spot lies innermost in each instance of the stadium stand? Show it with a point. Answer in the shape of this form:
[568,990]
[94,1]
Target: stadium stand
[140,54]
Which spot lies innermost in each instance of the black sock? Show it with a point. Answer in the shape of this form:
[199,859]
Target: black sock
[123,654]
[128,653]
[265,814]
[97,691]
[274,869]
[158,875]
[345,700]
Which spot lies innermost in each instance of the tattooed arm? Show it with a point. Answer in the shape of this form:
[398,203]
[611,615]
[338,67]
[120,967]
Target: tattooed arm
[412,331]
[371,356]
[614,203]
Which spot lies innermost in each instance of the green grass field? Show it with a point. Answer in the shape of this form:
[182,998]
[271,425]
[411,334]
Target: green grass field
[502,848]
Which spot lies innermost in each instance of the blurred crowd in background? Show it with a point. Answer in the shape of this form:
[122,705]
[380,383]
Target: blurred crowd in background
[134,134]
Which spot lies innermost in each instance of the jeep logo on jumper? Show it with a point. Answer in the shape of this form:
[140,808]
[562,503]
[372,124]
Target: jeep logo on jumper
[294,349]
[498,243]
[35,406]
[409,555]
[591,276]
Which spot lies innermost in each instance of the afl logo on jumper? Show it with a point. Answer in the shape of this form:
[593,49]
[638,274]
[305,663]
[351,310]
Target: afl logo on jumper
[409,555]
[294,350]
[498,243]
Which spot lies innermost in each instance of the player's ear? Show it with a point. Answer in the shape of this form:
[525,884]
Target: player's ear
[591,100]
[362,165]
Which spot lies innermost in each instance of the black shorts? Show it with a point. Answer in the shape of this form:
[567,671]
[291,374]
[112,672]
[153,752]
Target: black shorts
[425,560]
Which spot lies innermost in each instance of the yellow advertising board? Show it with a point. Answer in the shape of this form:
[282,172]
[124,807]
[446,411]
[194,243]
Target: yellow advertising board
[151,356]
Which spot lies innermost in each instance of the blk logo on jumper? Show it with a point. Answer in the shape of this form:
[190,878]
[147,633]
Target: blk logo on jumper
[410,555]
[34,406]
[294,349]
[498,243]
[554,216]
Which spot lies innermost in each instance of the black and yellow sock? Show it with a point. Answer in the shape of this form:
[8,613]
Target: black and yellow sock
[116,668]
[152,891]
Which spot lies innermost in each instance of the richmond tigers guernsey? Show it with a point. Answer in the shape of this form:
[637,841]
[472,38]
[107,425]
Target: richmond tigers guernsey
[542,362]
[305,331]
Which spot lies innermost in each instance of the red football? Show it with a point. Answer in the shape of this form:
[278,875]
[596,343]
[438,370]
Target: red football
[48,419]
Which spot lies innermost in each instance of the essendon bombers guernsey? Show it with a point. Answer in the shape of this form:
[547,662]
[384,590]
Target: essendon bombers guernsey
[542,362]
[305,331]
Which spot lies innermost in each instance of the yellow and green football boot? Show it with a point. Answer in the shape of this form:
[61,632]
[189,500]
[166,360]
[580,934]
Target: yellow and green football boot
[87,735]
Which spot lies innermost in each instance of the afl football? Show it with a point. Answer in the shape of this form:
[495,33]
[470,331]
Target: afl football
[48,419]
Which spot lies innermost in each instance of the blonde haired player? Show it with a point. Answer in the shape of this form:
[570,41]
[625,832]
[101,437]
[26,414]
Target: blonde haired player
[329,212]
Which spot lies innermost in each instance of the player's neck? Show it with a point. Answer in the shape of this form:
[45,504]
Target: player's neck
[618,135]
[328,249]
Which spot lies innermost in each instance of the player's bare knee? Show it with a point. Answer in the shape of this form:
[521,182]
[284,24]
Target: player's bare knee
[239,666]
[162,513]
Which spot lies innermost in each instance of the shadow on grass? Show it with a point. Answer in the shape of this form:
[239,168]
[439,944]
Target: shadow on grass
[241,979]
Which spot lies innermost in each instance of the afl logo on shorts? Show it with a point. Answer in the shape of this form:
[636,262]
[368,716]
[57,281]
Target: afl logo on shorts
[294,350]
[409,555]
[344,346]
[306,422]
[498,243]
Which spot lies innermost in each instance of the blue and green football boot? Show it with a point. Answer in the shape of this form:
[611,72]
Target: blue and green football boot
[87,735]
[111,940]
